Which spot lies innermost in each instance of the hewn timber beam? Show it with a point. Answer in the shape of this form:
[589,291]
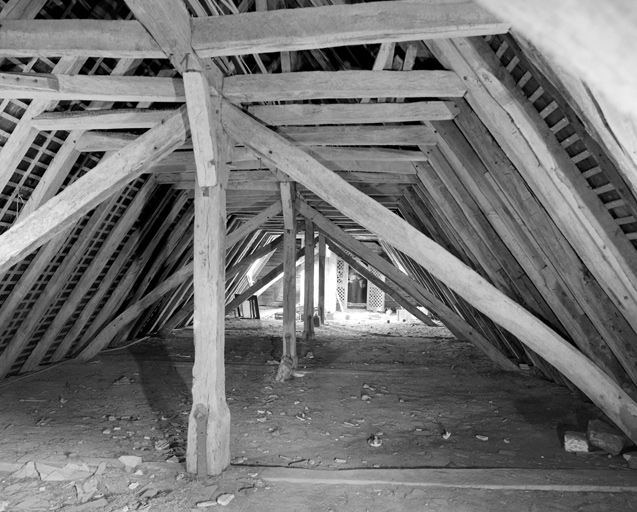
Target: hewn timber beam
[273,115]
[600,388]
[578,32]
[91,189]
[342,85]
[369,159]
[339,25]
[245,33]
[239,88]
[77,38]
[353,113]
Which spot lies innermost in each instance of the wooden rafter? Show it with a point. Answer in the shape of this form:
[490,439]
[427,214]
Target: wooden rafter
[90,190]
[240,88]
[478,292]
[273,115]
[535,152]
[246,33]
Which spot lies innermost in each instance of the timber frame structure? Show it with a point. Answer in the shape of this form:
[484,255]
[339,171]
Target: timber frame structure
[153,150]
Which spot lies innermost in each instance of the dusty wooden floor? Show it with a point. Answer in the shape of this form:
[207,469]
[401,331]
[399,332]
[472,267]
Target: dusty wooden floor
[420,383]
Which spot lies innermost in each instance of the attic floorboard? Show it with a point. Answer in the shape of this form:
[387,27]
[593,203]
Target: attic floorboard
[306,423]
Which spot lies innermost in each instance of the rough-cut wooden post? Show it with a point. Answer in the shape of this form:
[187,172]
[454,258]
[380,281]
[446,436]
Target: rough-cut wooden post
[321,279]
[289,269]
[208,451]
[308,302]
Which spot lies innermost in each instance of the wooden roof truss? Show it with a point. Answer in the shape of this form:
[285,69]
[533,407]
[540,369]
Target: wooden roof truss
[145,133]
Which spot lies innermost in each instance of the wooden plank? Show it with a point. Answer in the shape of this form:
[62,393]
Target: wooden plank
[239,88]
[513,479]
[354,113]
[575,37]
[600,388]
[91,189]
[338,25]
[308,335]
[314,85]
[77,38]
[208,391]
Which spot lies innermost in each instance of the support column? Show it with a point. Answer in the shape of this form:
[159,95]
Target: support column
[308,302]
[208,451]
[289,270]
[321,279]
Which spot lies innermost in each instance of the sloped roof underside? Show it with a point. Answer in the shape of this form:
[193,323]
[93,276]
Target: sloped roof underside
[510,175]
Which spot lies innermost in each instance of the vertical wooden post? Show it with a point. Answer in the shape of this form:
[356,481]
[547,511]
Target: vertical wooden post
[321,279]
[208,451]
[289,270]
[308,301]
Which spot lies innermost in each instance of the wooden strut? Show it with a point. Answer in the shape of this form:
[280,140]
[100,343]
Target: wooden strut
[295,162]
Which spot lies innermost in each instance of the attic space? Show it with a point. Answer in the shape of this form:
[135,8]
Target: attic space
[423,214]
